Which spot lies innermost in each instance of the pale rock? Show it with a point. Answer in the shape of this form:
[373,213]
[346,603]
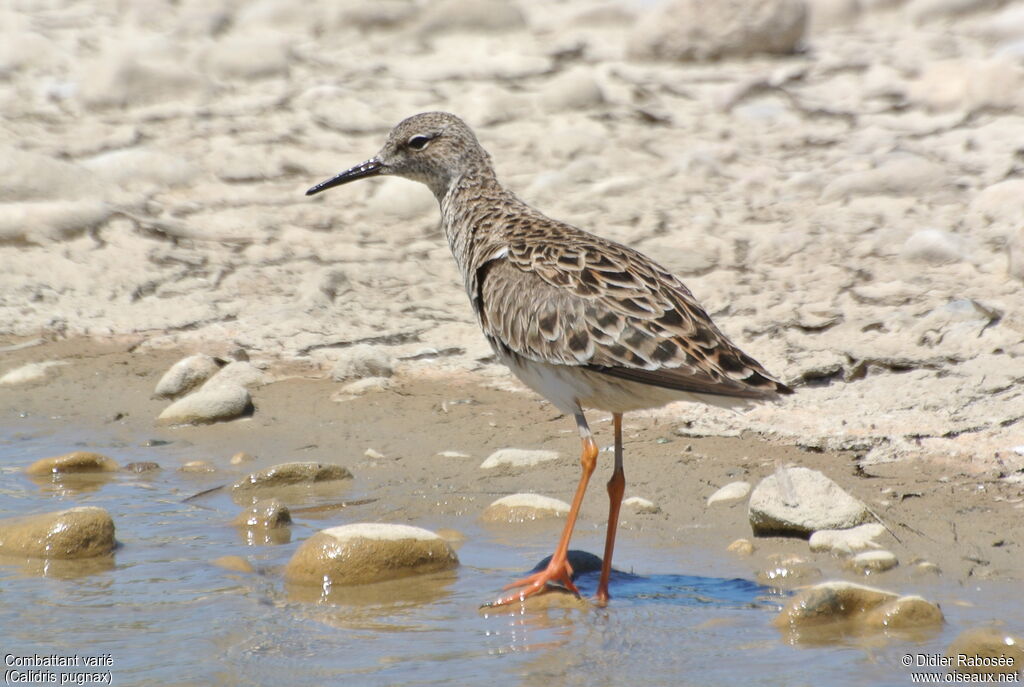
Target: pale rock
[934,246]
[363,553]
[45,222]
[684,30]
[130,73]
[242,373]
[31,176]
[928,568]
[252,55]
[241,164]
[517,457]
[359,387]
[741,547]
[453,454]
[969,84]
[241,458]
[518,508]
[373,454]
[216,403]
[1006,25]
[869,562]
[133,167]
[82,532]
[704,253]
[476,16]
[341,110]
[186,375]
[74,462]
[798,501]
[734,491]
[638,504]
[24,50]
[845,542]
[898,176]
[1001,203]
[30,373]
[362,360]
[575,89]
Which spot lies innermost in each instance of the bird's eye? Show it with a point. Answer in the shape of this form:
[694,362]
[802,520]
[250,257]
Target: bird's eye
[418,142]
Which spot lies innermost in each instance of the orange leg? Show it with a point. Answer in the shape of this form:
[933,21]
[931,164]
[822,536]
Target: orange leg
[558,569]
[616,488]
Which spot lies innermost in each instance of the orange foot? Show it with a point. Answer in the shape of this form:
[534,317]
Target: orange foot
[557,571]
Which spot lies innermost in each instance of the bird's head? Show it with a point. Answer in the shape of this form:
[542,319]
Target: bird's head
[433,148]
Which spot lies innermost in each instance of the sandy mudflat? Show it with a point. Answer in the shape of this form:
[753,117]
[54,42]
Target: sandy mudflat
[965,523]
[852,215]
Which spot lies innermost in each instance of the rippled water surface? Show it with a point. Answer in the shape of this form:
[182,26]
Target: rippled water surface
[167,615]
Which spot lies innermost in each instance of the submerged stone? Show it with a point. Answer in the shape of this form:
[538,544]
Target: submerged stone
[287,474]
[799,501]
[76,461]
[524,507]
[368,552]
[82,532]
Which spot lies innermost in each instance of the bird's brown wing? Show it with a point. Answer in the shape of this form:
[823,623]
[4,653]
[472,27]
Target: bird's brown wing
[583,301]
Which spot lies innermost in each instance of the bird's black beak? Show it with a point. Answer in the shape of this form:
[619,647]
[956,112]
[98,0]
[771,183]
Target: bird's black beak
[370,168]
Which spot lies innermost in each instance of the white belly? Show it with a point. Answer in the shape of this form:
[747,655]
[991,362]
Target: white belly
[572,388]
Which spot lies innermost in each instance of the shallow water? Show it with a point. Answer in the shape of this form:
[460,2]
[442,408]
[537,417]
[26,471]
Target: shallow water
[166,615]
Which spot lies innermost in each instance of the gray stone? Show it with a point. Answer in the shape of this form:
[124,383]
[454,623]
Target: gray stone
[869,562]
[638,504]
[242,373]
[844,542]
[362,360]
[186,375]
[212,403]
[517,457]
[29,374]
[934,246]
[799,501]
[687,30]
[734,491]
